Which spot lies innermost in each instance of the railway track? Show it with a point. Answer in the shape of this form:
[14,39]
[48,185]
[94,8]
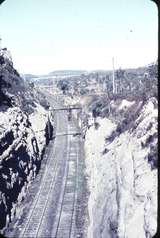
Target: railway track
[65,220]
[54,208]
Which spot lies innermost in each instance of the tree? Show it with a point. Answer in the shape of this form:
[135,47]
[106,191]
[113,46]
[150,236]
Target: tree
[153,70]
[2,61]
[63,85]
[120,76]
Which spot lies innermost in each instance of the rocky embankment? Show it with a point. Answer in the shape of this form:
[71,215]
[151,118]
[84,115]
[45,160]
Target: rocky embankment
[121,165]
[25,129]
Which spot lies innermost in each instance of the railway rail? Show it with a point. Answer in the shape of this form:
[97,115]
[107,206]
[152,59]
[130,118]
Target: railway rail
[52,214]
[65,216]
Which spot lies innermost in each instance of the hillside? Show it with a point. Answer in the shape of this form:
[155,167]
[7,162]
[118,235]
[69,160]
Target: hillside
[67,72]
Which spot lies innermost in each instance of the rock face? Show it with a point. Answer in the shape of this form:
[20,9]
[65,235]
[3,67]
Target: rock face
[23,137]
[10,81]
[20,162]
[122,171]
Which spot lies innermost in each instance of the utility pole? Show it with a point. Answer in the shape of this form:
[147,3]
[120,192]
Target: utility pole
[104,85]
[113,78]
[0,43]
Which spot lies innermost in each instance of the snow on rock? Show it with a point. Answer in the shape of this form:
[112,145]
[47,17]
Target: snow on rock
[125,104]
[94,145]
[71,100]
[123,178]
[22,141]
[39,120]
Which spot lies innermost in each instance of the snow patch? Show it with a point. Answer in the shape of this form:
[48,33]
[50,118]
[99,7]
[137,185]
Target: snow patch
[123,185]
[125,104]
[38,121]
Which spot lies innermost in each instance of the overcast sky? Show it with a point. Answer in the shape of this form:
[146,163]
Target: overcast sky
[48,35]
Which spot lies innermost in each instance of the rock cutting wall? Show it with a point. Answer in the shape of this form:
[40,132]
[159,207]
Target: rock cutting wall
[21,151]
[123,177]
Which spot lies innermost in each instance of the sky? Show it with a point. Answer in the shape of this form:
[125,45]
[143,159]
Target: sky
[48,35]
